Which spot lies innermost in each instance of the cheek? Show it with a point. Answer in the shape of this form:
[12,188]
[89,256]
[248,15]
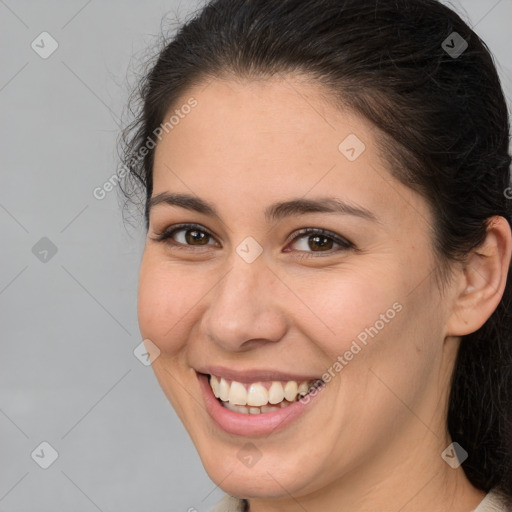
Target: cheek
[368,324]
[165,296]
[341,308]
[333,309]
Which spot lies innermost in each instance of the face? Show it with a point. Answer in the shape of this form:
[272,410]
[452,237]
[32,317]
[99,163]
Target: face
[253,292]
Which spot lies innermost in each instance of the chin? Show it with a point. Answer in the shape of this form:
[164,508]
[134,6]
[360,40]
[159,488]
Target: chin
[263,477]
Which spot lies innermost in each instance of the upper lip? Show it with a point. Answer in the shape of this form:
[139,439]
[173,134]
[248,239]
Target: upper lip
[254,374]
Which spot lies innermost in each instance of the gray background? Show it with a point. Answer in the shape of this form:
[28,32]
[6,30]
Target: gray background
[68,375]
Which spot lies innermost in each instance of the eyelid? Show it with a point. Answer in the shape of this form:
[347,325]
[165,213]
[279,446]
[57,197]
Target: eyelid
[167,233]
[344,243]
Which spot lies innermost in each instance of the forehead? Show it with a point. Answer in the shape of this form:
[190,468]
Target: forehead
[265,116]
[260,141]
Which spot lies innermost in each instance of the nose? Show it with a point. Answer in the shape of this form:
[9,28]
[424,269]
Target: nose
[245,308]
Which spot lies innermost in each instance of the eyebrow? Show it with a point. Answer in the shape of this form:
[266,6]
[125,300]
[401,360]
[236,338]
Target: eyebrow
[273,212]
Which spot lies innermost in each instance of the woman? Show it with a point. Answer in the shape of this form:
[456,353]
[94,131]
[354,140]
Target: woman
[326,270]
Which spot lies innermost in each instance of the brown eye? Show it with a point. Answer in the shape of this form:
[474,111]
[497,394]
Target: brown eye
[194,236]
[320,241]
[185,235]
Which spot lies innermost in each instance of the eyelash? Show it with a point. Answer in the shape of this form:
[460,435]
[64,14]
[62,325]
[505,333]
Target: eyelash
[166,236]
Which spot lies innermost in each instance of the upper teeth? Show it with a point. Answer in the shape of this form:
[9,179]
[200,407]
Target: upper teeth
[256,394]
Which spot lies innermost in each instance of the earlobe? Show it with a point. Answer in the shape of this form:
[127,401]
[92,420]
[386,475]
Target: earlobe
[484,279]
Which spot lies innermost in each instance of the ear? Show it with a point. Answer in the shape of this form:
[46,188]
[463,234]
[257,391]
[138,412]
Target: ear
[483,280]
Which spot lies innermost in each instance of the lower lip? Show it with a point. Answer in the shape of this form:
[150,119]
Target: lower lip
[250,424]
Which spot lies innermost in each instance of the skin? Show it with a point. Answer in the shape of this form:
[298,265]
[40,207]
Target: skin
[374,438]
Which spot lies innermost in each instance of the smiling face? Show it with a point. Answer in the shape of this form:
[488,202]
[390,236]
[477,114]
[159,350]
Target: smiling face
[246,289]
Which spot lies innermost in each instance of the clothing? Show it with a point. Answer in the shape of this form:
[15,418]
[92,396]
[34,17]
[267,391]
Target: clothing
[491,503]
[230,504]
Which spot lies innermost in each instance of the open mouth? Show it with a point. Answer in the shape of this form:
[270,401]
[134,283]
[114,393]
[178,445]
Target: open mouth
[260,397]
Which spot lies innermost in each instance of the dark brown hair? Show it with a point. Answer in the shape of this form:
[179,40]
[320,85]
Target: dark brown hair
[444,129]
